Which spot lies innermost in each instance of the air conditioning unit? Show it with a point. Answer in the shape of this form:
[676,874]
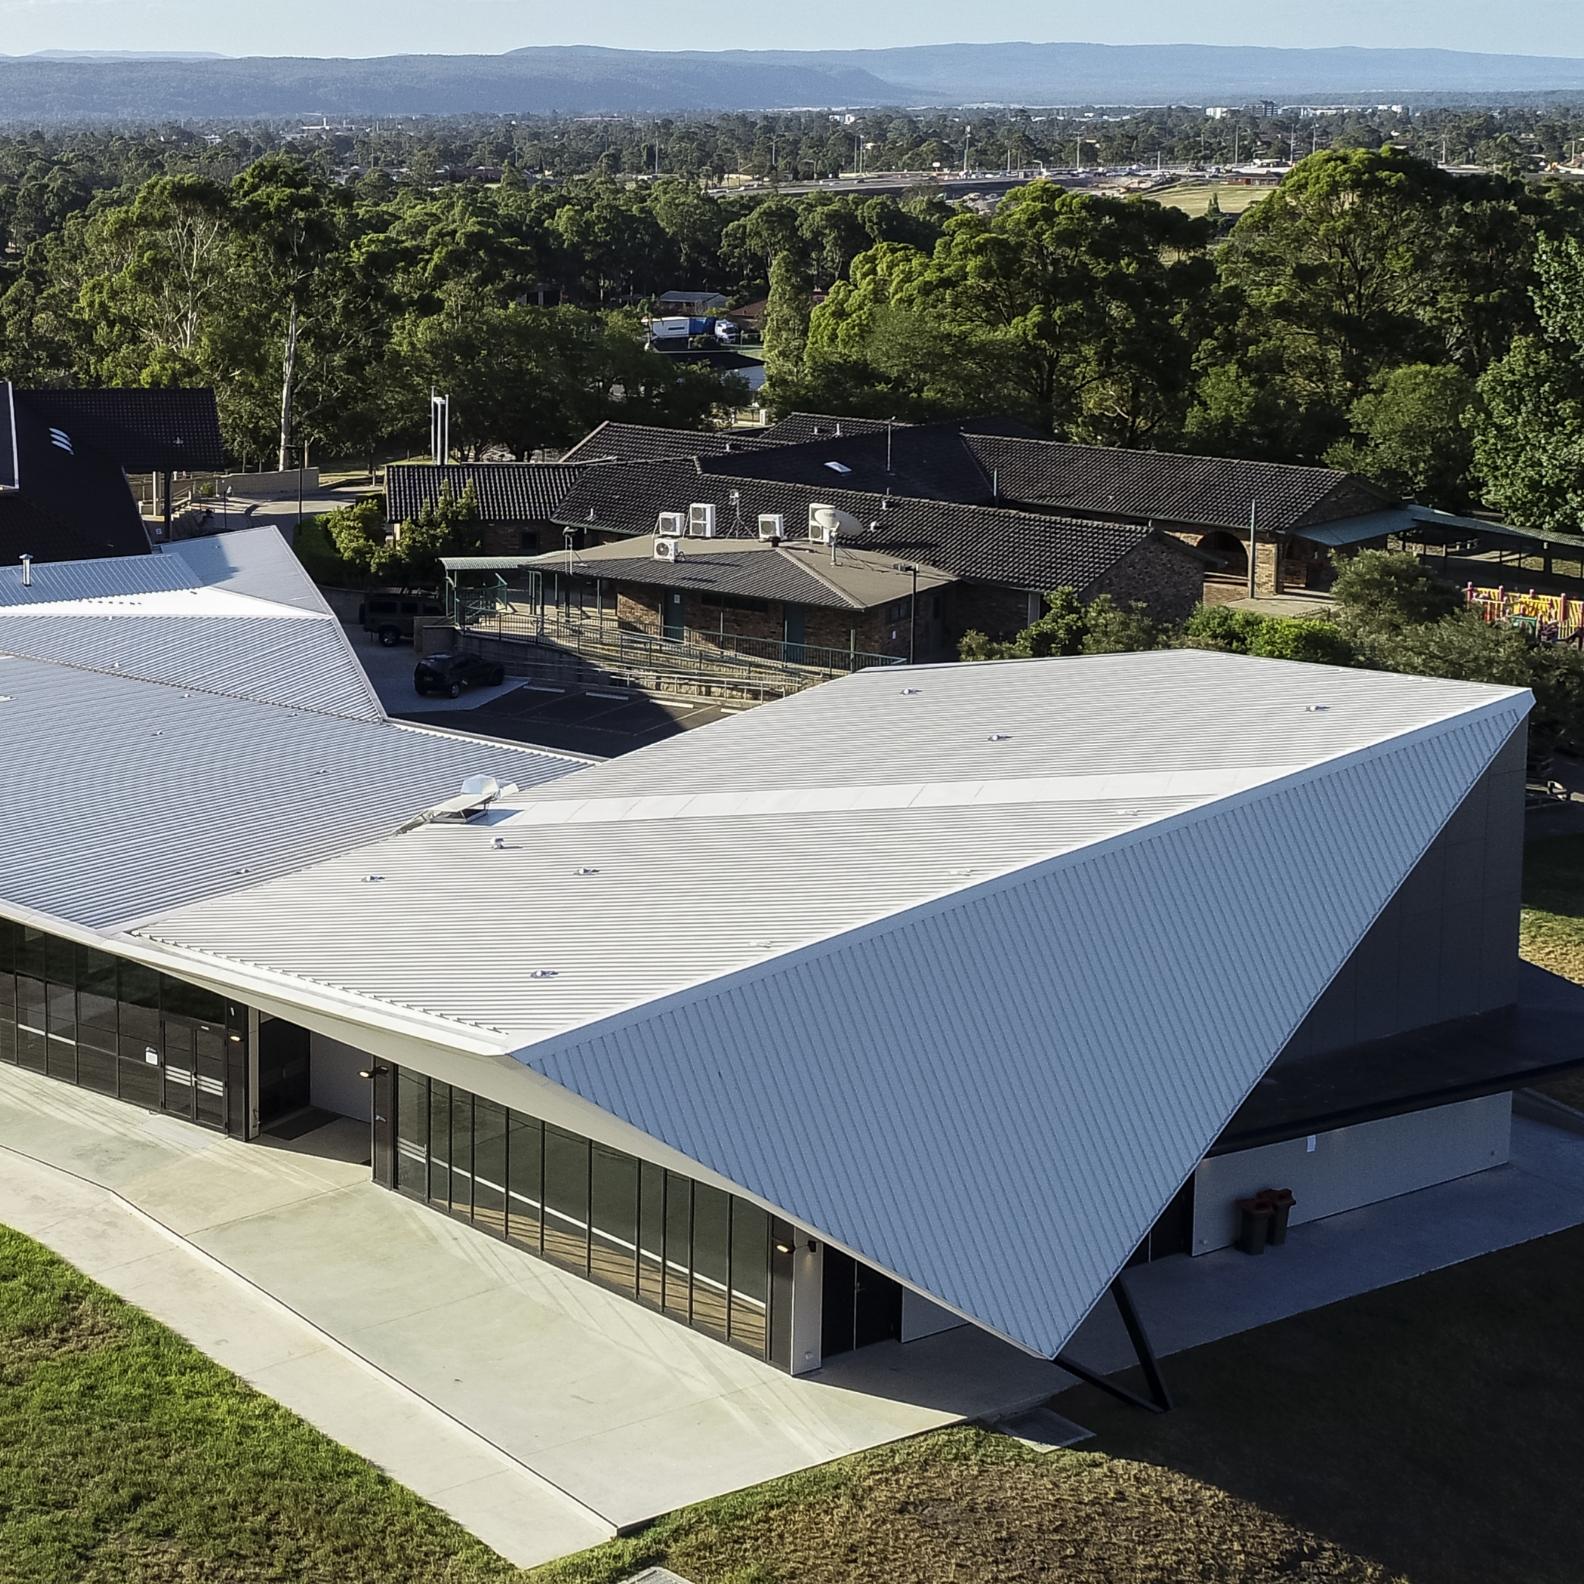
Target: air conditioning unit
[824,524]
[772,526]
[673,524]
[701,520]
[667,550]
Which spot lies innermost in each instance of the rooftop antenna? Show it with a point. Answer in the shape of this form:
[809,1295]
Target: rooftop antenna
[889,423]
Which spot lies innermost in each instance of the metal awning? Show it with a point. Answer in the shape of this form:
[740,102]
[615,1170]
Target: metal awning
[1424,522]
[485,563]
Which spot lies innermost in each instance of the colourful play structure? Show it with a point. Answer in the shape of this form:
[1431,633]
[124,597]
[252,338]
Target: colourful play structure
[1550,618]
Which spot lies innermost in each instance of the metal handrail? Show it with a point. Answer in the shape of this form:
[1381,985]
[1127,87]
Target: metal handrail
[730,653]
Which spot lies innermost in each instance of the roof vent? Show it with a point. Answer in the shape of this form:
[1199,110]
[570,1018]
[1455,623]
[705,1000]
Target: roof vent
[498,844]
[372,879]
[1316,709]
[542,973]
[61,441]
[909,692]
[667,550]
[999,737]
[27,570]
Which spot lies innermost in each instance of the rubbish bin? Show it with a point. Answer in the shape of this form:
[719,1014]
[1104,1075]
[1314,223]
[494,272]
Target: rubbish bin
[1281,1202]
[1254,1225]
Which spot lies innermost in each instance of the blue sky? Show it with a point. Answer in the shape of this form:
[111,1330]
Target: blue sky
[378,27]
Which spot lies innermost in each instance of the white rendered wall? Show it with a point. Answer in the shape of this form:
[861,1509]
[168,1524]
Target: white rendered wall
[333,1082]
[921,1318]
[1354,1166]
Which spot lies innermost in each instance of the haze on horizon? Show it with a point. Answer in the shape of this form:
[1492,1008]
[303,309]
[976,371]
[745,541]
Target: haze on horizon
[388,27]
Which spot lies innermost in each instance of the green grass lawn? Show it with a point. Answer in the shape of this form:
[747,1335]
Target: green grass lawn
[1426,1433]
[127,1457]
[1552,927]
[1194,197]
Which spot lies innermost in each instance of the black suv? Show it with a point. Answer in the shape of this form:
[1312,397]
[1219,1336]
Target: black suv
[391,618]
[450,673]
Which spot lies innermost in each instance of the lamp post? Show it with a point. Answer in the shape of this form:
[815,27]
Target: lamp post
[908,566]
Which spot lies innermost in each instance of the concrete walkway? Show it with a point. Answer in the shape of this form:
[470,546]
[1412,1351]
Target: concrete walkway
[629,1414]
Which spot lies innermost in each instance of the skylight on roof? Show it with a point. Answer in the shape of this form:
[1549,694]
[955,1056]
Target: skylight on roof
[838,467]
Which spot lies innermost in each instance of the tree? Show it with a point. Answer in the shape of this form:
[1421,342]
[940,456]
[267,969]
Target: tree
[1110,628]
[1379,592]
[1413,435]
[786,321]
[447,525]
[1529,432]
[285,208]
[1308,638]
[1077,312]
[358,535]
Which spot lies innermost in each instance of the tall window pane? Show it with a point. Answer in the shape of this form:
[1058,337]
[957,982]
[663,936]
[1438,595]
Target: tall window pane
[566,1199]
[30,1022]
[679,1247]
[613,1246]
[489,1166]
[750,1277]
[96,997]
[140,988]
[525,1180]
[60,1050]
[461,1152]
[440,1143]
[651,1233]
[30,952]
[711,1242]
[412,1133]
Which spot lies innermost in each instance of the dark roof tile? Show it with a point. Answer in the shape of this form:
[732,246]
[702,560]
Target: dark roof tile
[507,492]
[144,431]
[619,442]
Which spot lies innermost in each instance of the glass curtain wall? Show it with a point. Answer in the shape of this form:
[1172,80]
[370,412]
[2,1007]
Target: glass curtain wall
[693,1252]
[116,1027]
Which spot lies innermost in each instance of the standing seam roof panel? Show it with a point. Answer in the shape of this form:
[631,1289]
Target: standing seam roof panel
[1040,1109]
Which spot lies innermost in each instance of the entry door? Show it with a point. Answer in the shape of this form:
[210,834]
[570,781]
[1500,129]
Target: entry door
[282,1069]
[794,630]
[178,1069]
[671,615]
[859,1305]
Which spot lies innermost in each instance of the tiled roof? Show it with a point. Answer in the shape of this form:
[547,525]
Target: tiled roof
[144,431]
[981,543]
[799,427]
[931,462]
[619,442]
[796,572]
[507,491]
[1163,487]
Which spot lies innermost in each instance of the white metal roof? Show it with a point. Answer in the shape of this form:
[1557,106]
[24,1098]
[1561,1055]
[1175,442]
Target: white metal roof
[961,967]
[127,797]
[176,725]
[235,615]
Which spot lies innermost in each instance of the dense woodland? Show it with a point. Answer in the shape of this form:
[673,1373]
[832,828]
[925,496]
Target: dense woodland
[1422,326]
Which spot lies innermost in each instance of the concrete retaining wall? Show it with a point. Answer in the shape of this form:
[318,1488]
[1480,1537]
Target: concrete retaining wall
[271,483]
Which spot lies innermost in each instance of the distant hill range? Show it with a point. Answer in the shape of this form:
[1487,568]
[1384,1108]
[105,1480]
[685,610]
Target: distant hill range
[61,86]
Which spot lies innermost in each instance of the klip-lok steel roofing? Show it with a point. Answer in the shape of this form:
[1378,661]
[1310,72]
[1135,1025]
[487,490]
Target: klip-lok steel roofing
[962,968]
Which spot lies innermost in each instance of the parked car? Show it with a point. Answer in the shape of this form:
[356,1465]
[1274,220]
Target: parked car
[392,618]
[450,673]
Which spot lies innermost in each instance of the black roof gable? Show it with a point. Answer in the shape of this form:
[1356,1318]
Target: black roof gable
[143,431]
